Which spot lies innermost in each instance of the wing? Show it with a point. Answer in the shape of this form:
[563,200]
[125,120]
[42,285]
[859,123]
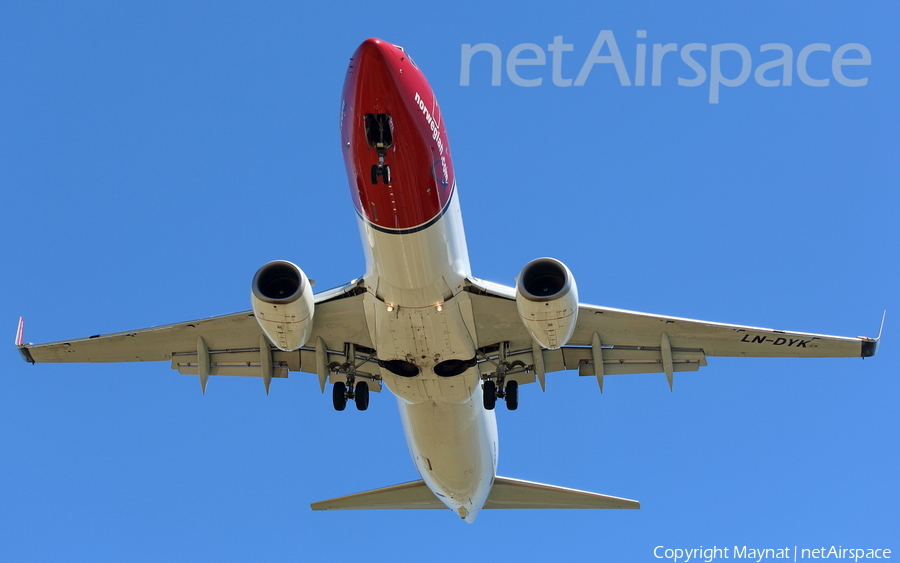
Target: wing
[231,344]
[632,342]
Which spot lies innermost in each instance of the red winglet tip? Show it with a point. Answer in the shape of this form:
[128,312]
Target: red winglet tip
[20,331]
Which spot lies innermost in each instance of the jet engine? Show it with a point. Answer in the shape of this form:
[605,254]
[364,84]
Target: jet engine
[547,300]
[283,304]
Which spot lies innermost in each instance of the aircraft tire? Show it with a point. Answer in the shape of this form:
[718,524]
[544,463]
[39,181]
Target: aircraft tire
[386,174]
[362,396]
[490,395]
[512,395]
[374,174]
[338,397]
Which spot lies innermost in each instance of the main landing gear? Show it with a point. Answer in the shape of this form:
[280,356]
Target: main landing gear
[351,389]
[360,395]
[496,385]
[510,392]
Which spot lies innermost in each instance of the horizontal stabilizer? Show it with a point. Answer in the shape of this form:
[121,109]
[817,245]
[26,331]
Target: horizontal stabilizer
[406,496]
[506,493]
[514,493]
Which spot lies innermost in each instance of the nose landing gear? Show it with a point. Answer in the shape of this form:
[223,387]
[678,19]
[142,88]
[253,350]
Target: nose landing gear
[380,134]
[381,169]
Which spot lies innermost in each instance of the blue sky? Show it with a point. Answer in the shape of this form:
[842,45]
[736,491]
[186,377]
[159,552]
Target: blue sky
[153,155]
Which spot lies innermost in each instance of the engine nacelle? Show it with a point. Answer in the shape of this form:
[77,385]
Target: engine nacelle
[547,299]
[282,300]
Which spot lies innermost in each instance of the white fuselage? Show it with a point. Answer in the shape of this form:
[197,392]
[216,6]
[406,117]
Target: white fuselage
[420,314]
[402,183]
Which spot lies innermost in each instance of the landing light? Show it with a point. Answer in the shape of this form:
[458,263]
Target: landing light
[439,307]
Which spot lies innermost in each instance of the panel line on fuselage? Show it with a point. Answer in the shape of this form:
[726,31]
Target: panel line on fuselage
[417,228]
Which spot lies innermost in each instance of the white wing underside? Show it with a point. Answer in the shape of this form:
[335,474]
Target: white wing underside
[632,342]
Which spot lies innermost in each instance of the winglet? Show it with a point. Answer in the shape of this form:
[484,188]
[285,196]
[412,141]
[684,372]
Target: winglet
[869,345]
[20,344]
[20,332]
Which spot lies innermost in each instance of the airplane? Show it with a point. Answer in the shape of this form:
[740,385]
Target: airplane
[448,345]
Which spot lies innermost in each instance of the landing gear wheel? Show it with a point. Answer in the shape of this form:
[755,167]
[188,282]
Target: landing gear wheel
[386,174]
[338,396]
[490,395]
[374,174]
[512,395]
[362,396]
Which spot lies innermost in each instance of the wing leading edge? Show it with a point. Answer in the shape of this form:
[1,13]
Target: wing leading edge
[226,345]
[626,342]
[629,342]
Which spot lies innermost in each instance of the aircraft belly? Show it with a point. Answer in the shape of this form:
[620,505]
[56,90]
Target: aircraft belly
[454,447]
[426,336]
[418,269]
